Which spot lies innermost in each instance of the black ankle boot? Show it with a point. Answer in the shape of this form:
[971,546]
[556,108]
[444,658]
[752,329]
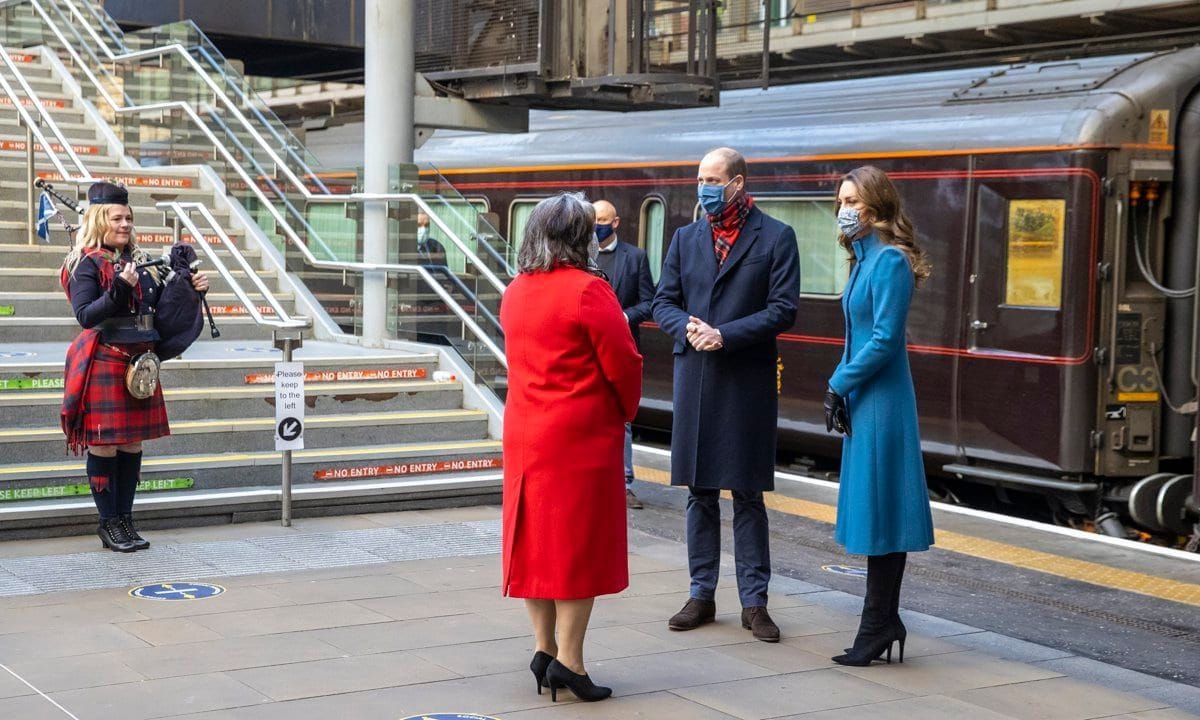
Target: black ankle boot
[113,536]
[131,533]
[559,676]
[877,630]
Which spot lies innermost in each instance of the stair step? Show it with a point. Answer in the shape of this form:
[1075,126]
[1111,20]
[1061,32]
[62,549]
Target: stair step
[40,408]
[45,444]
[47,279]
[64,328]
[249,469]
[211,363]
[36,304]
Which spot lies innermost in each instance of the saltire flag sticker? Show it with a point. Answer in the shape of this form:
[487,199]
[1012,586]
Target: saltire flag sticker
[46,213]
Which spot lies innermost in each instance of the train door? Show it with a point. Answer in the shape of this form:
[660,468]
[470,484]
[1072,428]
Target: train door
[1029,314]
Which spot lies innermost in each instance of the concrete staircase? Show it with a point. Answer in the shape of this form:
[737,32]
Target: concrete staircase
[380,432]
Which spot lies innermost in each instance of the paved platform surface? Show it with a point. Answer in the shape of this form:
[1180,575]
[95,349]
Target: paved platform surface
[392,615]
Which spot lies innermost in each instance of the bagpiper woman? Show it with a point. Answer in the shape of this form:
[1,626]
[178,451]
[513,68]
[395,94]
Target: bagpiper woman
[112,401]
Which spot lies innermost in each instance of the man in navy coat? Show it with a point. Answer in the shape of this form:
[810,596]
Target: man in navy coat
[729,286]
[628,272]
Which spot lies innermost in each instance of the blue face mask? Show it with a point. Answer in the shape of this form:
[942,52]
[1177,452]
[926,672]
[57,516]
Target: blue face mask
[603,231]
[712,197]
[848,221]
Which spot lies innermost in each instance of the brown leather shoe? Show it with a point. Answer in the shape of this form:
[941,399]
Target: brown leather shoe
[760,624]
[694,614]
[631,500]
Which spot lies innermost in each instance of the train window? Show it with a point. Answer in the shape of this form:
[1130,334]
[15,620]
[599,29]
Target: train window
[823,266]
[652,228]
[1034,261]
[518,216]
[462,216]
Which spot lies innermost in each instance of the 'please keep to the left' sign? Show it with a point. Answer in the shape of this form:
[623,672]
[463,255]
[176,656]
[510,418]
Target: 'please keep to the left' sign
[289,406]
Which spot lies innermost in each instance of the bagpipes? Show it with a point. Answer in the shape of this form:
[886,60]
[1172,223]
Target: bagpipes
[172,260]
[48,189]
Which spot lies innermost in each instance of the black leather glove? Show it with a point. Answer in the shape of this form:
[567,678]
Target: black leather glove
[837,417]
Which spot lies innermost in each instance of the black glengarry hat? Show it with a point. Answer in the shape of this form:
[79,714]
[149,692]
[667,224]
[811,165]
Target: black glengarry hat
[106,193]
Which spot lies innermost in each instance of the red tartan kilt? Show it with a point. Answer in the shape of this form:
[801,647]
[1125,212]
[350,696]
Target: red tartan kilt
[111,416]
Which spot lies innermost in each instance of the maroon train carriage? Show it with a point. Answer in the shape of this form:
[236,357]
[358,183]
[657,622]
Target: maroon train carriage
[1058,203]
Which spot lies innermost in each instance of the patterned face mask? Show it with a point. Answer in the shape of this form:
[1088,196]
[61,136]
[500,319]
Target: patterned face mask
[848,221]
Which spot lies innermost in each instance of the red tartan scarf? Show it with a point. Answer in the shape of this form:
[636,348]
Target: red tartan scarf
[75,381]
[105,260]
[727,225]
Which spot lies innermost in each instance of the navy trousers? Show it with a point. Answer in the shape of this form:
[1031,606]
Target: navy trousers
[751,544]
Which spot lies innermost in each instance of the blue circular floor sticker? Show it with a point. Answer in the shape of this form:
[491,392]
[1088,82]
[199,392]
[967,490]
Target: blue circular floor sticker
[176,591]
[845,570]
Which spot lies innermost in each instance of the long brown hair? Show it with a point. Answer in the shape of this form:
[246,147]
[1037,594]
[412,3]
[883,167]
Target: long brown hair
[877,192]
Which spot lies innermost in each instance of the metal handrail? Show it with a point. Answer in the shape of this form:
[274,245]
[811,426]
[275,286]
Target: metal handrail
[283,319]
[219,146]
[183,209]
[195,66]
[95,12]
[33,126]
[180,208]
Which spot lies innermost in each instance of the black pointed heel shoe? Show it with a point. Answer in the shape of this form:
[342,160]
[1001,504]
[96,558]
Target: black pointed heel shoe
[559,676]
[868,649]
[538,666]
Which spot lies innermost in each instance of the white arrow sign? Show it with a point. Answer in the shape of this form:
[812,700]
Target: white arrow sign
[289,406]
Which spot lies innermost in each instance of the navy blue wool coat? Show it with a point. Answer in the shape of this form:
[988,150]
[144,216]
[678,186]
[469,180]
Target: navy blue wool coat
[725,401]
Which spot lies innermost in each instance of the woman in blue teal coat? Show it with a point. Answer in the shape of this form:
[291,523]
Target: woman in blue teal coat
[883,504]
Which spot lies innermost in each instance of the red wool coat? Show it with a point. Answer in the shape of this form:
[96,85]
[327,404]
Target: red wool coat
[574,380]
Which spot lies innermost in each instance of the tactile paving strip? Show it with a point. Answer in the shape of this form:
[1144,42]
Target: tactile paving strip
[227,558]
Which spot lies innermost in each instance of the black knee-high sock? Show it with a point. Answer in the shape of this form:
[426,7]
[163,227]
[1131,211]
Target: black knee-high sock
[102,477]
[129,473]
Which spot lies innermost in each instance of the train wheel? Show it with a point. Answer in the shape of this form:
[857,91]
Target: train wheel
[1143,500]
[1170,511]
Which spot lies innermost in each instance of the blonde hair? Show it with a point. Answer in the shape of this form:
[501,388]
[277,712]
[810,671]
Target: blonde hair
[877,192]
[91,234]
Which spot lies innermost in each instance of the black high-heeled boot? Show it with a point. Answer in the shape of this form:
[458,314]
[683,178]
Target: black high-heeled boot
[538,666]
[560,676]
[900,631]
[876,630]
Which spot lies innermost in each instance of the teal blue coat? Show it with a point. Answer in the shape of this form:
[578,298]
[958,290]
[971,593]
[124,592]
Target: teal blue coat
[883,504]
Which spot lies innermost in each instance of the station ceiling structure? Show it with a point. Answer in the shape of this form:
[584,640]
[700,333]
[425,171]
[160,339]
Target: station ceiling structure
[755,41]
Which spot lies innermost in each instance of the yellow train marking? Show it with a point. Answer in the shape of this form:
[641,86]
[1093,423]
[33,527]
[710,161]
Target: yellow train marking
[1071,568]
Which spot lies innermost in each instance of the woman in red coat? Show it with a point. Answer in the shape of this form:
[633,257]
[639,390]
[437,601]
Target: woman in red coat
[574,380]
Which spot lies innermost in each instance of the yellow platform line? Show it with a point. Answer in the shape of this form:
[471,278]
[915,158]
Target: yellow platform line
[1061,566]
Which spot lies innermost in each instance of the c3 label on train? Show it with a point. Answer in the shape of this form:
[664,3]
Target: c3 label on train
[176,591]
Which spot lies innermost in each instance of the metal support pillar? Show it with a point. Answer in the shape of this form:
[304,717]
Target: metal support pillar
[390,72]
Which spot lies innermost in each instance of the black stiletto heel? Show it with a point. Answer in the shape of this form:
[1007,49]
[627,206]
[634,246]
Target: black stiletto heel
[560,676]
[538,666]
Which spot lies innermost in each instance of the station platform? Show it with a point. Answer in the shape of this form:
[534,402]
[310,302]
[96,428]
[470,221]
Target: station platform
[393,615]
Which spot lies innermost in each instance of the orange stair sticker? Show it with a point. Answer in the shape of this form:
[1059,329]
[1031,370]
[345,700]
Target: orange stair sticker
[410,468]
[408,373]
[20,146]
[130,180]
